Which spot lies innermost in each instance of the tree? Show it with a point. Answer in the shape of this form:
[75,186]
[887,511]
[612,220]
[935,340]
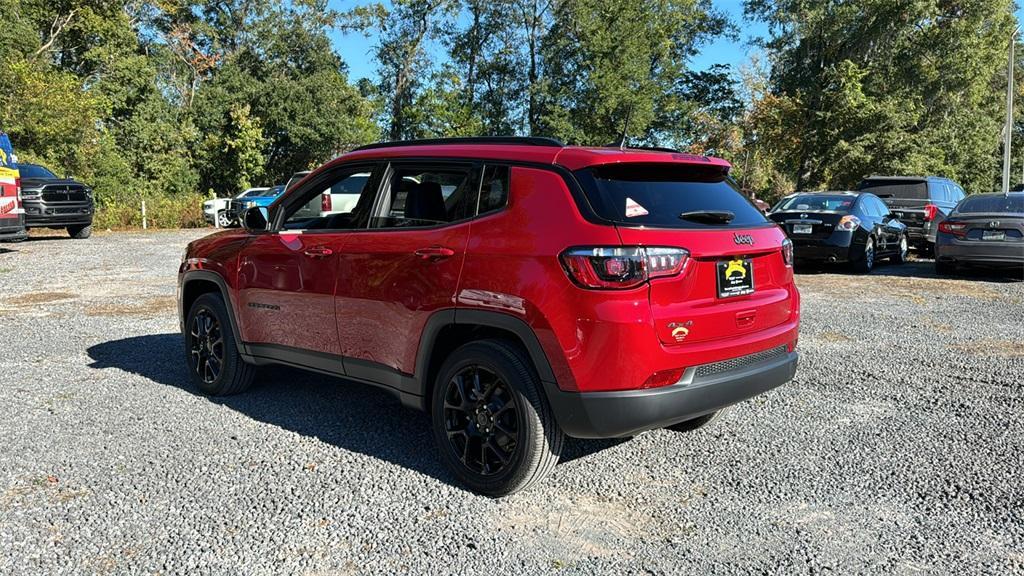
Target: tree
[606,60]
[405,30]
[889,87]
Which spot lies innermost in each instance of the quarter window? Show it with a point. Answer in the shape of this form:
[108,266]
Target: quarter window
[494,189]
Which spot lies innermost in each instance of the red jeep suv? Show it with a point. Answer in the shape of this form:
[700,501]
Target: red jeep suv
[516,289]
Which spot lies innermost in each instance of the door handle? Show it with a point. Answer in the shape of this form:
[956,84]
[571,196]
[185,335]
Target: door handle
[435,253]
[318,252]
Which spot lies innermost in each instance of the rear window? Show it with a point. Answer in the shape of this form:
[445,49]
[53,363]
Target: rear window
[817,203]
[1013,203]
[657,194]
[910,189]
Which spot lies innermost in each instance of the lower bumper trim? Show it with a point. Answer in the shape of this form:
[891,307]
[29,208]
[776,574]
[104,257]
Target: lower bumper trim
[627,413]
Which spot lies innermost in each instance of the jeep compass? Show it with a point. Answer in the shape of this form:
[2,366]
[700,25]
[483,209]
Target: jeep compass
[517,290]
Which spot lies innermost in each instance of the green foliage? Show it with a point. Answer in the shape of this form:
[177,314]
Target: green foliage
[159,100]
[878,86]
[167,100]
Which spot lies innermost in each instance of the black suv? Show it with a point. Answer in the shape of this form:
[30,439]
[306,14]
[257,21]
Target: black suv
[920,202]
[52,202]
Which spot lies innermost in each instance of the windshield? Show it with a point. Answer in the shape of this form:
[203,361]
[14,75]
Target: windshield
[1014,203]
[268,193]
[34,171]
[659,194]
[817,203]
[910,189]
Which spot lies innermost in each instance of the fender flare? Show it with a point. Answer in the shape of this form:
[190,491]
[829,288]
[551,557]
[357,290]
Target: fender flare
[222,286]
[463,317]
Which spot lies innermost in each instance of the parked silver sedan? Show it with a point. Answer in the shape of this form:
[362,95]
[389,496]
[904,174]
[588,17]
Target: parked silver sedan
[983,230]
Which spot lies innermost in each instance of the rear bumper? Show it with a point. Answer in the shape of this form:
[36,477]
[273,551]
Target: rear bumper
[626,413]
[979,252]
[921,235]
[835,248]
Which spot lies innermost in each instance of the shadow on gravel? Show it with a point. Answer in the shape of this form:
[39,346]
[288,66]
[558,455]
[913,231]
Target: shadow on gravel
[346,414]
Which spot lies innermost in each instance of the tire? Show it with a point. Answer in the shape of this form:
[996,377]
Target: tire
[945,268]
[222,219]
[206,342]
[900,257]
[492,424]
[80,232]
[866,262]
[698,422]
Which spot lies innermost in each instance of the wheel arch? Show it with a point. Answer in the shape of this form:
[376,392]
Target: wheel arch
[446,330]
[194,284]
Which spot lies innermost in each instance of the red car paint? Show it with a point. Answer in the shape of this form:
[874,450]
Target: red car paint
[368,295]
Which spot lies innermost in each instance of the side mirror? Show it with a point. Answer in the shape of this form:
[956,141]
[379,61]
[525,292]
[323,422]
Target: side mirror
[255,219]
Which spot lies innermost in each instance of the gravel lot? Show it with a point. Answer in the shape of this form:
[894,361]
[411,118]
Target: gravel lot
[897,449]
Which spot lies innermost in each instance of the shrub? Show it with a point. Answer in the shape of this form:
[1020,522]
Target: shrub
[177,211]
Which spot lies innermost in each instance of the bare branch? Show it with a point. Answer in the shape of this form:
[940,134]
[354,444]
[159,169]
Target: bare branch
[59,23]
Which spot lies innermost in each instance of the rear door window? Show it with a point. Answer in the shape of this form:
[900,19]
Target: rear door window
[659,194]
[420,196]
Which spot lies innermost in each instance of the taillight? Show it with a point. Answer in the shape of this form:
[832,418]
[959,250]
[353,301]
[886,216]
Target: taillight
[930,212]
[621,267]
[325,202]
[848,223]
[958,229]
[787,252]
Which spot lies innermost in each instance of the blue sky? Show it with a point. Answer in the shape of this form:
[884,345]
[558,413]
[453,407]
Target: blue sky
[356,49]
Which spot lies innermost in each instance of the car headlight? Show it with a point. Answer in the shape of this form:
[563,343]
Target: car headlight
[30,193]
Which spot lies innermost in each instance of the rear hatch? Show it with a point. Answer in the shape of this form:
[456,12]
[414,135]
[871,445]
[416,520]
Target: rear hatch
[735,280]
[906,198]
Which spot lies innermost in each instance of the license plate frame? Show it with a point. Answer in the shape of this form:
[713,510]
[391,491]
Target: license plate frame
[803,228]
[993,235]
[734,277]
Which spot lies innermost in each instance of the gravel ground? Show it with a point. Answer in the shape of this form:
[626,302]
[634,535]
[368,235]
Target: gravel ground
[897,449]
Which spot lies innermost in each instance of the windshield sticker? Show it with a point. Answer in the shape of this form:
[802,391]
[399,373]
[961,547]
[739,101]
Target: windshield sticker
[633,209]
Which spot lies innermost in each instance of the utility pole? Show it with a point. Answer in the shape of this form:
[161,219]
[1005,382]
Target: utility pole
[1008,136]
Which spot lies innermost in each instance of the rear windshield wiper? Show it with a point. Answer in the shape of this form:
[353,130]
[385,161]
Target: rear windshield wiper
[709,216]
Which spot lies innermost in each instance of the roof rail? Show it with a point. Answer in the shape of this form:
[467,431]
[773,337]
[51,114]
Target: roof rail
[479,140]
[650,148]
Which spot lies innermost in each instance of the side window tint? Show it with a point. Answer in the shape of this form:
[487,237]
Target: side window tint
[339,203]
[494,190]
[418,197]
[880,207]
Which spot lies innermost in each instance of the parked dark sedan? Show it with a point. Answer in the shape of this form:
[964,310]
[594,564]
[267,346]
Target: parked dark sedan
[53,202]
[985,230]
[851,227]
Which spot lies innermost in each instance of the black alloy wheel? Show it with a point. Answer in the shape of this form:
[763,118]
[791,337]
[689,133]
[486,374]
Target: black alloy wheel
[491,421]
[206,346]
[211,352]
[481,420]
